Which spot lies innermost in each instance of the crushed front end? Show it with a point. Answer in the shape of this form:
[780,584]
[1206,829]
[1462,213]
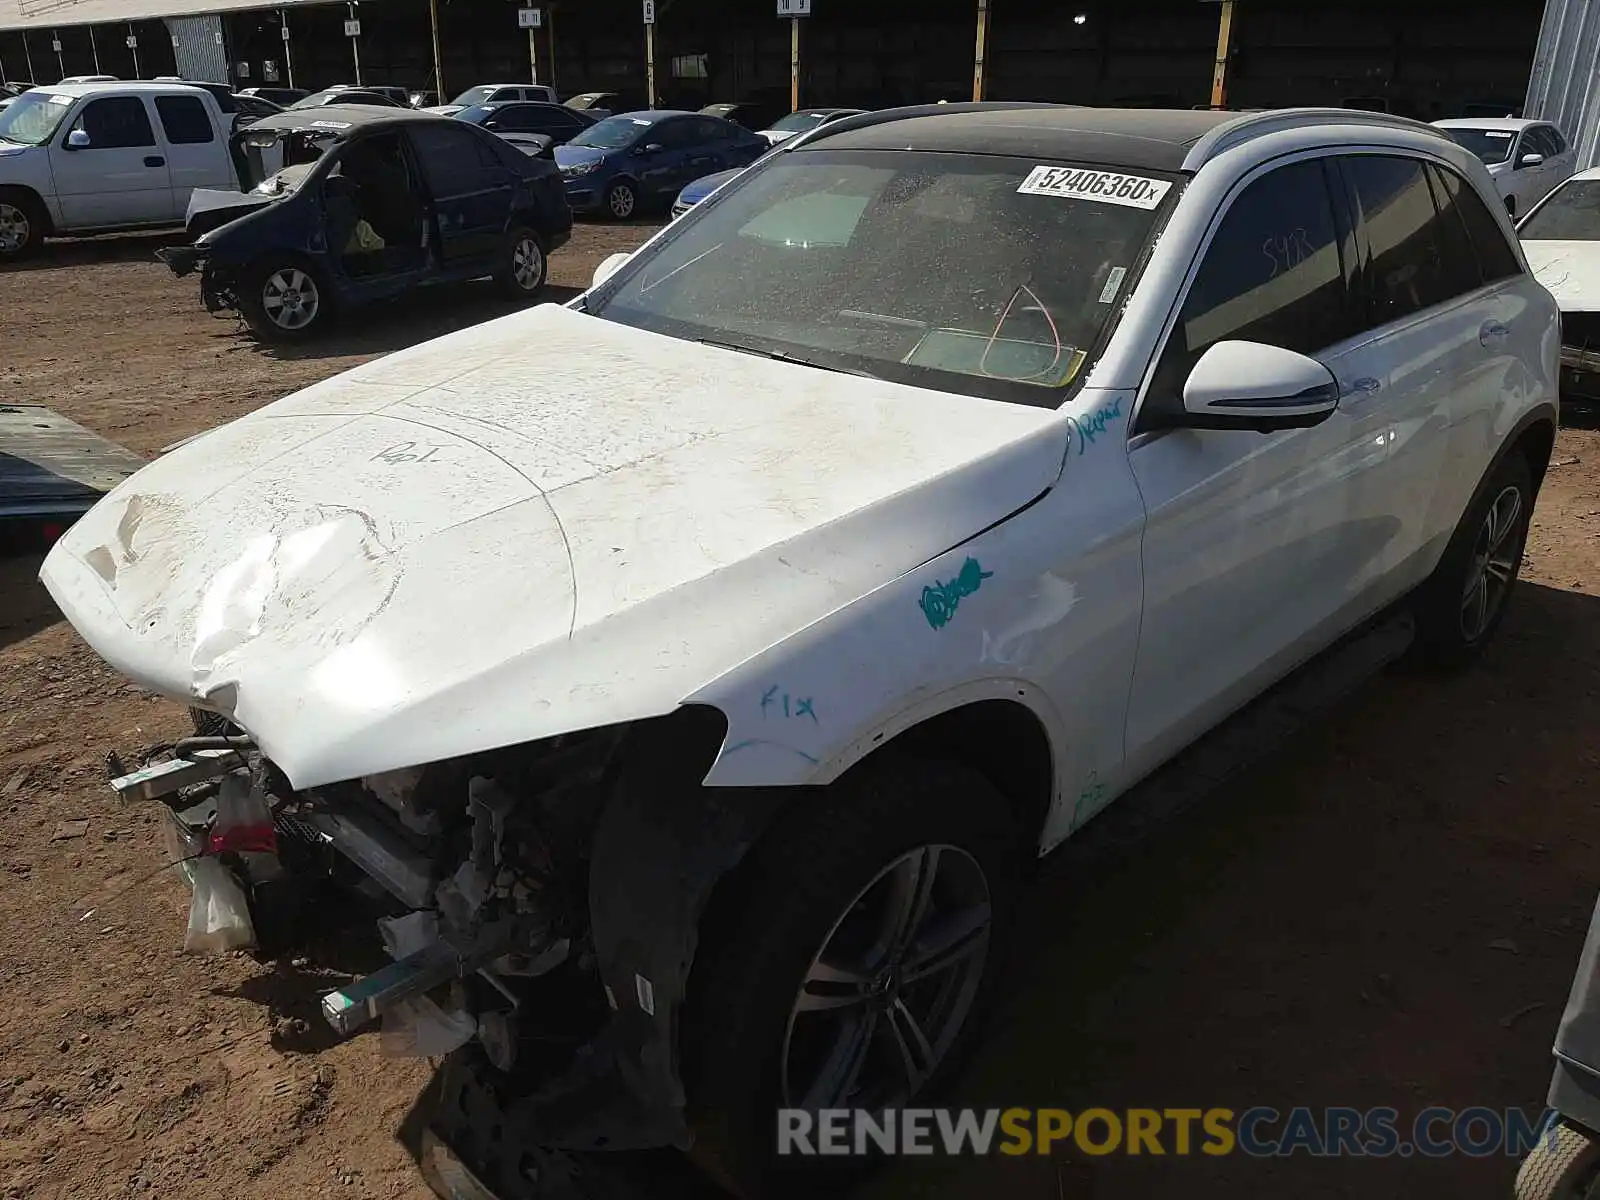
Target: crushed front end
[537,904]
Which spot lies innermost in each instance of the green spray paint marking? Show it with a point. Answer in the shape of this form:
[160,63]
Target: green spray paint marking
[940,600]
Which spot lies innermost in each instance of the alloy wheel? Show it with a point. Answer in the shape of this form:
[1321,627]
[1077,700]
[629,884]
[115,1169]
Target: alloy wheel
[527,263]
[894,982]
[622,201]
[290,298]
[14,228]
[1496,554]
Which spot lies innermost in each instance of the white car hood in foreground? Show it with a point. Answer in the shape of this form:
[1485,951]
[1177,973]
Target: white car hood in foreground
[1570,270]
[546,523]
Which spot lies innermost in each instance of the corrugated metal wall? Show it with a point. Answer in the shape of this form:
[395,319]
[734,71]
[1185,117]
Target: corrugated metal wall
[197,47]
[1562,87]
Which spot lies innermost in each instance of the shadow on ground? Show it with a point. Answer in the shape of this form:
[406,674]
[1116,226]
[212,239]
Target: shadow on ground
[109,248]
[25,607]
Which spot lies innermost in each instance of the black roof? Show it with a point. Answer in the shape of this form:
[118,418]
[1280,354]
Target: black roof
[341,118]
[1141,138]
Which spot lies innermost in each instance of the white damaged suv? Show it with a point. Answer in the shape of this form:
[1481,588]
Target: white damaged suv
[715,652]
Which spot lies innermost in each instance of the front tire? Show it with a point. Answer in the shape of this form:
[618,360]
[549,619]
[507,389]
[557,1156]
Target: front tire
[846,962]
[1460,607]
[284,300]
[524,268]
[1565,1165]
[622,201]
[22,224]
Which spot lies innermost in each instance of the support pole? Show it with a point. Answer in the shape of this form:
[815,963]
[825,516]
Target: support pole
[94,49]
[133,47]
[794,64]
[1219,77]
[355,46]
[533,57]
[27,55]
[982,49]
[650,64]
[288,53]
[438,59]
[61,62]
[551,14]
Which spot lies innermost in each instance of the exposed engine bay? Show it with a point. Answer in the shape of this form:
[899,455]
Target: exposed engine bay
[479,876]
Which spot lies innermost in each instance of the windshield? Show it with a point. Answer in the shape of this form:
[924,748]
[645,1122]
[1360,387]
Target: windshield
[979,274]
[1572,214]
[33,117]
[476,95]
[1493,146]
[614,133]
[800,121]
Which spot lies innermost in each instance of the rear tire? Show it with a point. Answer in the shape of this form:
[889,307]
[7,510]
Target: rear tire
[22,224]
[801,997]
[283,299]
[1460,607]
[1565,1165]
[524,268]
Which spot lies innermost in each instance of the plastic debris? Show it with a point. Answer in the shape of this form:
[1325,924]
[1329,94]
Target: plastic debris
[219,916]
[419,1028]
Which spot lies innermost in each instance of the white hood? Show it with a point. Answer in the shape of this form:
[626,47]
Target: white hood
[1570,270]
[545,523]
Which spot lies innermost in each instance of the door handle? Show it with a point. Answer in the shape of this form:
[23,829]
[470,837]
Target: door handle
[154,160]
[1493,331]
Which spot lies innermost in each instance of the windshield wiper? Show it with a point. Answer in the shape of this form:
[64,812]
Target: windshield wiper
[785,356]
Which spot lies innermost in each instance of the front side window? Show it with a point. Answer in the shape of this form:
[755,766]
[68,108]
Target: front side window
[1572,214]
[184,120]
[454,161]
[116,123]
[986,275]
[1273,274]
[1406,267]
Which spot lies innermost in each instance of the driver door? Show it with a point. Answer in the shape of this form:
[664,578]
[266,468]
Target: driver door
[1256,546]
[120,177]
[666,172]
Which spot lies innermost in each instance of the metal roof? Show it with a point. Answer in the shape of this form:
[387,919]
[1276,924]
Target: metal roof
[64,14]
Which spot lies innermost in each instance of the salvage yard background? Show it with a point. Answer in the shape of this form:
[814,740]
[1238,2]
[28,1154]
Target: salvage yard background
[1389,913]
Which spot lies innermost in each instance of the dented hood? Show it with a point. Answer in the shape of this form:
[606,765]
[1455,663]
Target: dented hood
[541,524]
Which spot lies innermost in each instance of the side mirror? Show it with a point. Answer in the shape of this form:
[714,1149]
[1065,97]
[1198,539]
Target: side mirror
[1246,385]
[78,139]
[607,268]
[1530,160]
[652,148]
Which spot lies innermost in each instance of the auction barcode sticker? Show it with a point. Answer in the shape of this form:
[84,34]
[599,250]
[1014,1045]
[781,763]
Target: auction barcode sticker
[1107,187]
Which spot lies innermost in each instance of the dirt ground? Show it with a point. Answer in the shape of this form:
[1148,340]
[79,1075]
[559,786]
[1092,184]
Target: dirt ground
[1388,913]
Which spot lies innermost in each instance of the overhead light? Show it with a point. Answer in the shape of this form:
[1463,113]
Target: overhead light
[1080,19]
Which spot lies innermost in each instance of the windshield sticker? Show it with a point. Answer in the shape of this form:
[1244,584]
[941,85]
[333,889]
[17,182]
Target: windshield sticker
[1113,284]
[1105,187]
[939,601]
[1498,137]
[330,125]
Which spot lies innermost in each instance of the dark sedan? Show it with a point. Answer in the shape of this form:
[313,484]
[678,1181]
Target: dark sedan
[362,204]
[530,126]
[643,159]
[346,95]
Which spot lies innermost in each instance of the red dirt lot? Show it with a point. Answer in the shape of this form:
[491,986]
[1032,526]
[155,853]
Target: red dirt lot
[1388,913]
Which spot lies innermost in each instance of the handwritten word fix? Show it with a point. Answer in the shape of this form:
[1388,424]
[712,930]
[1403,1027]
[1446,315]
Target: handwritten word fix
[793,708]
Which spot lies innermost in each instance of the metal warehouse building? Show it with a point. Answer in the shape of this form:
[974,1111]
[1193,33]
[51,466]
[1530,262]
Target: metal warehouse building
[1423,58]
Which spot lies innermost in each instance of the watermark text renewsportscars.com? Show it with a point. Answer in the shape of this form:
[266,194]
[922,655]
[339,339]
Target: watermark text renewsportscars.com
[1259,1132]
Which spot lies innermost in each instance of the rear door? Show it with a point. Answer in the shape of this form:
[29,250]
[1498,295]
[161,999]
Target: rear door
[120,177]
[196,157]
[664,172]
[471,190]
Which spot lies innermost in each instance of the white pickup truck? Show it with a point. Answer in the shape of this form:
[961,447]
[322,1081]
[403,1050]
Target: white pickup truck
[95,157]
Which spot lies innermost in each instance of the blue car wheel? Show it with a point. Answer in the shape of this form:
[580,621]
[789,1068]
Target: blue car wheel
[621,200]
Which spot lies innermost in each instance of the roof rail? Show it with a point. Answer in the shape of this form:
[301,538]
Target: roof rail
[884,116]
[1250,126]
